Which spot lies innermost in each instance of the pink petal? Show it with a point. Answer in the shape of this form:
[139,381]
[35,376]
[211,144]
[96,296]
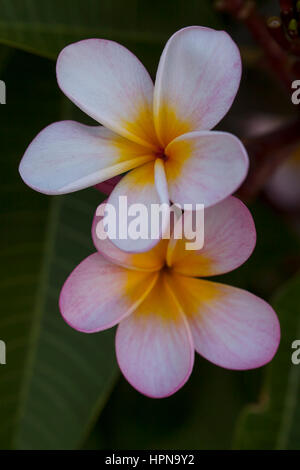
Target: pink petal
[154,346]
[151,260]
[98,294]
[111,85]
[143,186]
[197,79]
[67,156]
[107,186]
[231,327]
[229,240]
[205,167]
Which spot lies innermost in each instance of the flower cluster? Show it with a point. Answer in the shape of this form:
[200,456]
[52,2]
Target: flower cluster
[160,136]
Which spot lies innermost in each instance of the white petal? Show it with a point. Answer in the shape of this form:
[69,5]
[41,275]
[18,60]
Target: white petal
[110,84]
[67,156]
[197,79]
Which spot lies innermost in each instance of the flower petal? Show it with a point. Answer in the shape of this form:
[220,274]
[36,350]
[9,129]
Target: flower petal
[229,239]
[154,347]
[197,79]
[133,198]
[98,294]
[151,260]
[110,84]
[231,327]
[67,156]
[107,186]
[205,167]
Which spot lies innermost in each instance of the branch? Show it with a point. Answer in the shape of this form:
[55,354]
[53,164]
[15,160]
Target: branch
[246,11]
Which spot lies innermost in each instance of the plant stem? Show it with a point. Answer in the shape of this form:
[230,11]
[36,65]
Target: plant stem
[246,11]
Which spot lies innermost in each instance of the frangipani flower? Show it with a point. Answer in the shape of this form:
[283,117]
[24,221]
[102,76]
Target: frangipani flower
[162,132]
[165,313]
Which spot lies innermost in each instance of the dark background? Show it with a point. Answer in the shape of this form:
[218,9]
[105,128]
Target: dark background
[61,389]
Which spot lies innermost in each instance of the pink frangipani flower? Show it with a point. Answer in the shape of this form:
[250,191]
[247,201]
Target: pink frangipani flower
[162,133]
[165,313]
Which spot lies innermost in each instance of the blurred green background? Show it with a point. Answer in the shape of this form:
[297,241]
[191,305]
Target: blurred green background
[61,389]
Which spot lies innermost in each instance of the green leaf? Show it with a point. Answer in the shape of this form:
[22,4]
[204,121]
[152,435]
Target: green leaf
[45,27]
[199,416]
[273,423]
[56,380]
